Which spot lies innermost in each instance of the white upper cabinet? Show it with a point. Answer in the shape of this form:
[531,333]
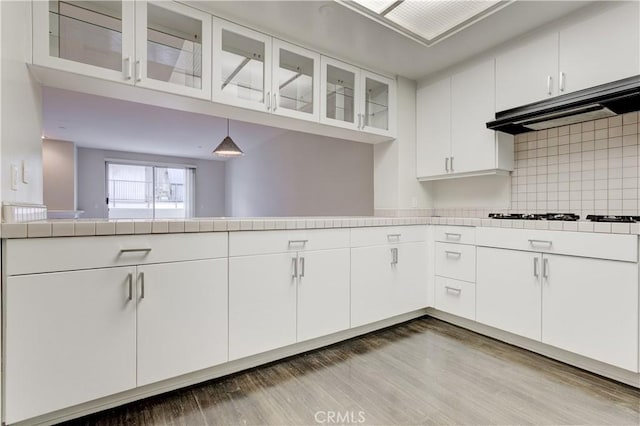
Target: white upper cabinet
[166,47]
[241,66]
[473,146]
[357,99]
[434,128]
[452,138]
[173,48]
[339,87]
[601,49]
[377,107]
[295,82]
[528,73]
[88,38]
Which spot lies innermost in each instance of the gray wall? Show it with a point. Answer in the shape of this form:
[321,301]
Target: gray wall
[299,174]
[210,181]
[59,174]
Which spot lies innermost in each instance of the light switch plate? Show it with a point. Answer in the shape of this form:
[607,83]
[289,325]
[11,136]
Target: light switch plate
[26,172]
[14,177]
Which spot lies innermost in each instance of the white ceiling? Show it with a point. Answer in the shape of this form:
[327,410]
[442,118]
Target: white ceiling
[336,30]
[97,122]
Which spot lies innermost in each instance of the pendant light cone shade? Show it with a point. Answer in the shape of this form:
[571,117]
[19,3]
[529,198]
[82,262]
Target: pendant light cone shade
[228,147]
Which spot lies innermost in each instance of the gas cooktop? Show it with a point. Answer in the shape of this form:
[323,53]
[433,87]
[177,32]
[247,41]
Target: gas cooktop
[613,218]
[535,216]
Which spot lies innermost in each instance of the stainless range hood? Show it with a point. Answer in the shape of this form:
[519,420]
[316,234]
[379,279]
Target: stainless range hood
[609,99]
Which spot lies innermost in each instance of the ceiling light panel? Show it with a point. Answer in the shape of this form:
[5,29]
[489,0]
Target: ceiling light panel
[431,19]
[377,6]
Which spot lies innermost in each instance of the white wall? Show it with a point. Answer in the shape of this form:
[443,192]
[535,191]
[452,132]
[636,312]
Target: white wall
[479,191]
[298,174]
[395,183]
[59,174]
[21,110]
[210,180]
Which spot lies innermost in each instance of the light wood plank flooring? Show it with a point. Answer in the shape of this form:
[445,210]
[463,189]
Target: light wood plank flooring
[422,372]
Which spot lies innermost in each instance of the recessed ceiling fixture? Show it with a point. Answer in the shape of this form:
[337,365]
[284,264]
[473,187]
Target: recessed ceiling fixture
[426,21]
[228,147]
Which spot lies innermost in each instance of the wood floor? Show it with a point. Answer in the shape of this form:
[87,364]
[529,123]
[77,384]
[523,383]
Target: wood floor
[421,372]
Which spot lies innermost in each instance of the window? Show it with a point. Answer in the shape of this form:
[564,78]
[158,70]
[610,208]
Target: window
[141,191]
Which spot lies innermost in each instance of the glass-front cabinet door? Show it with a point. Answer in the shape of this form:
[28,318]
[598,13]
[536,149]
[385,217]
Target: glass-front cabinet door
[378,104]
[295,82]
[338,90]
[173,48]
[241,66]
[94,38]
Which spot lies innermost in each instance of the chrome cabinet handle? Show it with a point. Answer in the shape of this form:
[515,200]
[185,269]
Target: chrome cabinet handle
[302,267]
[146,250]
[394,256]
[141,285]
[546,242]
[359,121]
[549,81]
[130,286]
[393,236]
[535,267]
[453,289]
[127,68]
[138,71]
[364,122]
[298,242]
[295,267]
[451,164]
[456,254]
[275,101]
[446,164]
[562,78]
[452,234]
[268,99]
[545,268]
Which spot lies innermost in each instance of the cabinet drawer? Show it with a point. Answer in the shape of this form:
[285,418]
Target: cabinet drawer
[265,242]
[456,261]
[455,234]
[29,256]
[456,297]
[583,244]
[362,237]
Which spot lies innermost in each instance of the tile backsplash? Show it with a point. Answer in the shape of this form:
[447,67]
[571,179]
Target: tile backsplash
[584,168]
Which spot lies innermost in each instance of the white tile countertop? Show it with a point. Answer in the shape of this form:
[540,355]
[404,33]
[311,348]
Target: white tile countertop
[88,227]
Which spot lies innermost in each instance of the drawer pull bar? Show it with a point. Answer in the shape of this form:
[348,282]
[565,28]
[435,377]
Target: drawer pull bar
[546,242]
[453,289]
[135,250]
[457,254]
[455,235]
[294,242]
[390,236]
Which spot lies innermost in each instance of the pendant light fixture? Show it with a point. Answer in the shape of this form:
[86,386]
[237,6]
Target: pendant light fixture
[228,147]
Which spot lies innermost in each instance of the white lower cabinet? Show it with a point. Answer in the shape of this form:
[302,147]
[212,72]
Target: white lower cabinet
[456,297]
[280,298]
[70,338]
[323,293]
[262,303]
[583,305]
[508,292]
[387,280]
[181,318]
[590,307]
